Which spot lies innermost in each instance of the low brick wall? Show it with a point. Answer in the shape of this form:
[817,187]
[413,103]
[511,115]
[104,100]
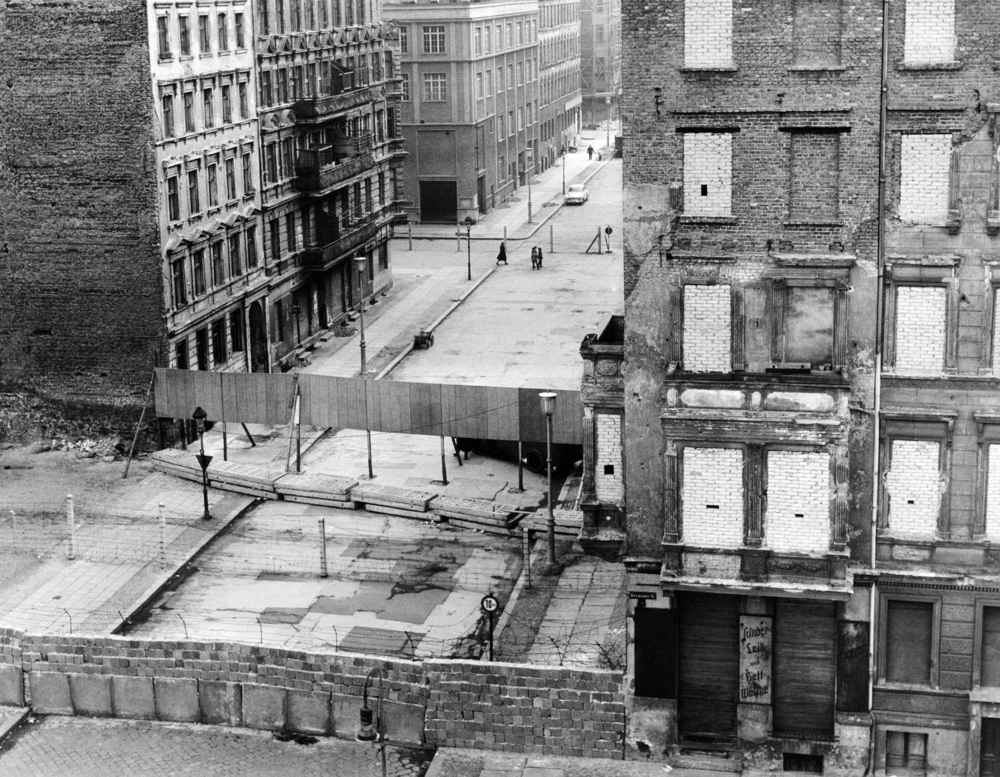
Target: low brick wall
[510,707]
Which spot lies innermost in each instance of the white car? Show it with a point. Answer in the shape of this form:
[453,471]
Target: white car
[577,194]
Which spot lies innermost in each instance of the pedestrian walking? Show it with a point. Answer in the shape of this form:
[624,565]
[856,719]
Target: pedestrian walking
[590,152]
[539,249]
[599,155]
[534,257]
[502,256]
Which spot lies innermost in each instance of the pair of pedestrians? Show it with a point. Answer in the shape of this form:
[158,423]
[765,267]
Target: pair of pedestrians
[536,256]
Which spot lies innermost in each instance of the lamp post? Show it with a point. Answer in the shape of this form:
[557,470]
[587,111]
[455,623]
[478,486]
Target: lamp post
[469,221]
[298,326]
[199,417]
[371,721]
[607,136]
[548,399]
[528,159]
[360,263]
[563,155]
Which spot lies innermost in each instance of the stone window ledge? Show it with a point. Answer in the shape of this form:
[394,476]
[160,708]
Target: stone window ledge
[710,69]
[918,66]
[817,68]
[813,223]
[709,220]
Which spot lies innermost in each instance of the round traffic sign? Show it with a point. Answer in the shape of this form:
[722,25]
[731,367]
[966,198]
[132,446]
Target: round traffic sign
[608,230]
[489,603]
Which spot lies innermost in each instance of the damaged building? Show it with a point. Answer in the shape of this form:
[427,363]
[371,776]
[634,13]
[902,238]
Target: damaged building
[810,403]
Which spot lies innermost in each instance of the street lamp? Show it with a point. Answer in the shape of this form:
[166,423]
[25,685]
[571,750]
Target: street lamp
[360,263]
[607,136]
[371,721]
[563,155]
[199,417]
[469,221]
[548,399]
[298,326]
[528,159]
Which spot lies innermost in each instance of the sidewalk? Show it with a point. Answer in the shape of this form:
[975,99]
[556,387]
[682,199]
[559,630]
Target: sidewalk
[461,762]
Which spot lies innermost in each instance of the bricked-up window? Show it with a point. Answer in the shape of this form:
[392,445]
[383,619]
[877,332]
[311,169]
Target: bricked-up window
[708,173]
[798,501]
[168,115]
[707,339]
[930,32]
[173,199]
[244,100]
[213,186]
[179,282]
[816,33]
[194,201]
[208,106]
[434,39]
[198,259]
[435,87]
[189,111]
[708,33]
[920,330]
[184,33]
[251,247]
[181,360]
[218,266]
[240,39]
[223,23]
[925,178]
[712,497]
[163,36]
[905,753]
[913,487]
[235,258]
[909,630]
[231,178]
[204,34]
[608,474]
[219,353]
[815,176]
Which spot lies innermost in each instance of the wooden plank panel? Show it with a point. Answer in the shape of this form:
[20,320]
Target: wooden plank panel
[532,421]
[314,406]
[257,398]
[163,391]
[230,382]
[351,403]
[425,408]
[280,390]
[471,411]
[449,410]
[708,664]
[502,422]
[394,406]
[208,393]
[567,423]
[805,667]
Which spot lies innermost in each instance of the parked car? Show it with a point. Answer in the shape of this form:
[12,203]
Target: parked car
[577,194]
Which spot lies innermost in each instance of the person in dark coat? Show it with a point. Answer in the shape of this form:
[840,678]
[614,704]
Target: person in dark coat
[590,152]
[539,249]
[502,256]
[534,257]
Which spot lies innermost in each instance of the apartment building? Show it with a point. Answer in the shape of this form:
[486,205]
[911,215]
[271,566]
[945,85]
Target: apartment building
[600,60]
[809,535]
[559,90]
[469,110]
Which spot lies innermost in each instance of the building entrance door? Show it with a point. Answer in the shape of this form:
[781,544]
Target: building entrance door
[258,338]
[989,751]
[439,201]
[482,194]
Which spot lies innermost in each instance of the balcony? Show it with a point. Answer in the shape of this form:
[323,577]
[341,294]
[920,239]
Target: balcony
[355,233]
[313,110]
[320,169]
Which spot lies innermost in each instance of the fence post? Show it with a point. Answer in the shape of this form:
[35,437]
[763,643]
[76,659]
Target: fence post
[163,535]
[552,239]
[322,548]
[409,234]
[458,239]
[527,556]
[71,520]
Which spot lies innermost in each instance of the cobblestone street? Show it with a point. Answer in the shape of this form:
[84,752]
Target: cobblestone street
[92,747]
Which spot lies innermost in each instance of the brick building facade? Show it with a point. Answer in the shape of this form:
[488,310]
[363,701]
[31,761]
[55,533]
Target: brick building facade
[812,413]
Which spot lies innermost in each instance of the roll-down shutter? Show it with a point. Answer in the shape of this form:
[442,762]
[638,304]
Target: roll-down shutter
[708,665]
[805,667]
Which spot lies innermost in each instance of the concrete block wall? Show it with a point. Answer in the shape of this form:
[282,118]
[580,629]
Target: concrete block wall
[712,497]
[509,707]
[708,33]
[517,708]
[708,173]
[914,486]
[925,176]
[930,31]
[798,502]
[707,328]
[609,486]
[920,329]
[993,493]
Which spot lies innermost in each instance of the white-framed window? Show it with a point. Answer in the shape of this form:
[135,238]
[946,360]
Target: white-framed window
[404,87]
[477,44]
[434,39]
[479,86]
[404,40]
[435,87]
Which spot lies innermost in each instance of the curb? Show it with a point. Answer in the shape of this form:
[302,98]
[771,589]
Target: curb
[12,722]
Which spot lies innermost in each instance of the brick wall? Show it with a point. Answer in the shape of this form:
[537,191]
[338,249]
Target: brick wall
[816,32]
[925,174]
[708,33]
[930,31]
[712,495]
[707,328]
[913,485]
[920,329]
[708,173]
[993,493]
[798,502]
[609,485]
[80,279]
[815,178]
[487,706]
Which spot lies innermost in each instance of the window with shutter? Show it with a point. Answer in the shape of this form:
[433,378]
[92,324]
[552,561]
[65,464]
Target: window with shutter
[908,635]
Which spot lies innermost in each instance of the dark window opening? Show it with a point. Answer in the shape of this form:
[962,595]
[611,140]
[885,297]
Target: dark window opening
[799,762]
[909,631]
[609,469]
[905,753]
[704,190]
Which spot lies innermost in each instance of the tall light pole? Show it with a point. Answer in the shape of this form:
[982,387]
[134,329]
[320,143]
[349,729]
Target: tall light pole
[607,136]
[199,417]
[548,399]
[563,154]
[360,263]
[528,160]
[371,720]
[469,221]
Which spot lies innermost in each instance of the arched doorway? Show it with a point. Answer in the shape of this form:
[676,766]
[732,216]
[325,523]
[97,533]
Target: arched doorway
[258,338]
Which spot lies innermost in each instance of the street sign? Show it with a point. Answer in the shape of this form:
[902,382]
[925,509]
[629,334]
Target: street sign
[608,230]
[203,460]
[647,595]
[489,604]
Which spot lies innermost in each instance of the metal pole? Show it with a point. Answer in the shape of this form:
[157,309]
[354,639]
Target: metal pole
[468,243]
[505,237]
[322,548]
[526,542]
[71,520]
[520,468]
[458,239]
[409,234]
[444,468]
[368,434]
[564,173]
[204,477]
[527,174]
[298,436]
[552,238]
[551,521]
[253,443]
[491,636]
[361,309]
[163,535]
[222,410]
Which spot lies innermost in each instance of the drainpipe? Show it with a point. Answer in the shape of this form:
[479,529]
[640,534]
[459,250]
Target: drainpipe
[877,397]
